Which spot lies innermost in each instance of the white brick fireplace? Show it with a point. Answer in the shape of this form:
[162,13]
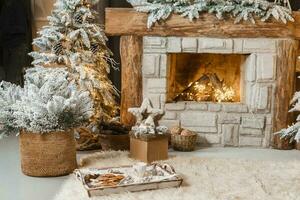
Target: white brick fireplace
[244,123]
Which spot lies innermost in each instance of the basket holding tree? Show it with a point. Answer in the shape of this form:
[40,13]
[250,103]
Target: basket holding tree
[45,112]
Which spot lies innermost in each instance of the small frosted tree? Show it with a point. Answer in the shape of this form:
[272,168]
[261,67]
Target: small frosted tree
[292,132]
[74,40]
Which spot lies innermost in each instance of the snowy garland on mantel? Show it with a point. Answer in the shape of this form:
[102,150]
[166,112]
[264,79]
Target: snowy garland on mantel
[241,10]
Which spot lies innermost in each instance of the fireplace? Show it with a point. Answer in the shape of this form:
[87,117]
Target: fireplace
[267,76]
[223,89]
[205,77]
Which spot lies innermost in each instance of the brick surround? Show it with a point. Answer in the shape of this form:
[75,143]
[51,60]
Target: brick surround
[248,123]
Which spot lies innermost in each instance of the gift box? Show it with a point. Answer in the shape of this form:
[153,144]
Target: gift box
[149,149]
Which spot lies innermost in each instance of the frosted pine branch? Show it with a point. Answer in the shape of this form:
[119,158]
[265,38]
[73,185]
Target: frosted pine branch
[240,10]
[48,102]
[293,131]
[75,40]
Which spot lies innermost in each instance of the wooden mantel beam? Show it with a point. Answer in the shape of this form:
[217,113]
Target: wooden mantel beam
[126,21]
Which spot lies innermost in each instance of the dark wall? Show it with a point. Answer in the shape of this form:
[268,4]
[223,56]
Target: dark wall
[15,39]
[295,4]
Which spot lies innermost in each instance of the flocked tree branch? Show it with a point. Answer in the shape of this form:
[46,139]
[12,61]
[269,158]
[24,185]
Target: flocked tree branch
[48,102]
[293,132]
[73,39]
[241,10]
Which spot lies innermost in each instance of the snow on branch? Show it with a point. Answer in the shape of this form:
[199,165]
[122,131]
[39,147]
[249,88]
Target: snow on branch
[240,10]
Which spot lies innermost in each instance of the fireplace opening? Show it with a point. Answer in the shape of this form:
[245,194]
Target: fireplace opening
[205,77]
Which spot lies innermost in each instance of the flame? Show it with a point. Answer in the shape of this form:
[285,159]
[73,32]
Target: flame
[227,94]
[198,91]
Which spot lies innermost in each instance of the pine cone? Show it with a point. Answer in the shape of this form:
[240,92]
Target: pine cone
[95,47]
[57,48]
[78,18]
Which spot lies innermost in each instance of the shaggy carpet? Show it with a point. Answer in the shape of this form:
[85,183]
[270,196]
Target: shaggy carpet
[204,179]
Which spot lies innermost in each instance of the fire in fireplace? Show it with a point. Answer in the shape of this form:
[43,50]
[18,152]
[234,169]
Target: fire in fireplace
[205,77]
[207,88]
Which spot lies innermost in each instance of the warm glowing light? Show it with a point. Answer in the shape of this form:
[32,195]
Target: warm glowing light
[227,94]
[212,90]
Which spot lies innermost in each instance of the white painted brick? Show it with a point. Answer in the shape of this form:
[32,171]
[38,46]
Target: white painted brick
[196,106]
[155,44]
[156,85]
[169,115]
[230,136]
[250,141]
[260,99]
[209,138]
[253,122]
[214,107]
[251,131]
[229,119]
[266,64]
[268,135]
[169,123]
[269,120]
[214,45]
[260,45]
[175,106]
[155,100]
[194,119]
[263,98]
[249,93]
[163,66]
[235,108]
[219,128]
[189,44]
[151,63]
[203,129]
[163,101]
[174,45]
[238,45]
[145,89]
[250,68]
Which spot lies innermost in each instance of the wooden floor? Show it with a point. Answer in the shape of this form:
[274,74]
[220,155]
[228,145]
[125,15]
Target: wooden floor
[15,186]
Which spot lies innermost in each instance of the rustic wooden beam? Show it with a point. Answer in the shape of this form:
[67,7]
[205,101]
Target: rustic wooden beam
[131,49]
[126,21]
[285,87]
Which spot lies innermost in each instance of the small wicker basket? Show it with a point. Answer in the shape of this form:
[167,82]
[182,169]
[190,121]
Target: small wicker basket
[184,142]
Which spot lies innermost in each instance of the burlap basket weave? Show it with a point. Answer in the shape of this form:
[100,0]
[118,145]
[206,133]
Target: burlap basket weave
[49,154]
[183,143]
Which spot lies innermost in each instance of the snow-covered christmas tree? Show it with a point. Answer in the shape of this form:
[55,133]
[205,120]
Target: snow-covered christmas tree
[74,40]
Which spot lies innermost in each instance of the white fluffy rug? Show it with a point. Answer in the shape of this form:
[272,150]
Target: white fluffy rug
[204,179]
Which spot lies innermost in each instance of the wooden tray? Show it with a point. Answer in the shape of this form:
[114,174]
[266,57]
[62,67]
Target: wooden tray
[172,180]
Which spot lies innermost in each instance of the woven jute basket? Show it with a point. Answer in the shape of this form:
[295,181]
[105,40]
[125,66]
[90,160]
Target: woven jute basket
[183,143]
[49,154]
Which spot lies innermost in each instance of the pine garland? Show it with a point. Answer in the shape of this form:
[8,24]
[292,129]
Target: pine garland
[241,10]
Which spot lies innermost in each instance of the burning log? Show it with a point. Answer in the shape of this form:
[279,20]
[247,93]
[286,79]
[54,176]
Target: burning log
[208,87]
